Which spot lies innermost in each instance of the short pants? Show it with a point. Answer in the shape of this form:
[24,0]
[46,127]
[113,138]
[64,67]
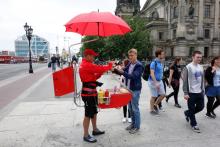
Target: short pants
[91,103]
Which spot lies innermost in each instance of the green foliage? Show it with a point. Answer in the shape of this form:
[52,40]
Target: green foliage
[116,47]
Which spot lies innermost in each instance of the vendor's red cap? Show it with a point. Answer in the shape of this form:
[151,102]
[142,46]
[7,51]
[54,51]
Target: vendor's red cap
[90,52]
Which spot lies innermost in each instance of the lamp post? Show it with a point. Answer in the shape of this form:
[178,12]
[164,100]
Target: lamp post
[69,53]
[29,32]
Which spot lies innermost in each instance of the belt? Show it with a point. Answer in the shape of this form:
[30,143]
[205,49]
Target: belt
[88,89]
[88,94]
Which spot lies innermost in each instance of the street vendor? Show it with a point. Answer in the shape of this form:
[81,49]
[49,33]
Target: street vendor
[89,73]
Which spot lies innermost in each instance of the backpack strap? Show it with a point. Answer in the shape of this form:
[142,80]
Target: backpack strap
[155,63]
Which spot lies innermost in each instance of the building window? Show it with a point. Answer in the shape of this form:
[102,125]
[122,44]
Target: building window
[207,33]
[174,34]
[172,52]
[160,35]
[191,50]
[206,52]
[175,12]
[207,12]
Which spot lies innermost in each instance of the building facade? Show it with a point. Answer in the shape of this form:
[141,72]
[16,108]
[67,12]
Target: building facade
[182,26]
[39,46]
[127,7]
[10,53]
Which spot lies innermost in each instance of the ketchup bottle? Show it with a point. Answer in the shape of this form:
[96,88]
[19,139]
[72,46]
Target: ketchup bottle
[106,93]
[107,98]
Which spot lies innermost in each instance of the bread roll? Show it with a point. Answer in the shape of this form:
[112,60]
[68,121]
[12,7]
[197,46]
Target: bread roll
[123,90]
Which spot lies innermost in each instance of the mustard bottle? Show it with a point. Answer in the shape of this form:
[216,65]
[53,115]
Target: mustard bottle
[101,95]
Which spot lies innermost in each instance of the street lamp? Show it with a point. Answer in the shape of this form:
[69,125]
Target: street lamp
[69,57]
[29,32]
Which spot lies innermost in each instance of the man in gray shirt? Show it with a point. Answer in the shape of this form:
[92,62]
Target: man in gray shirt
[193,88]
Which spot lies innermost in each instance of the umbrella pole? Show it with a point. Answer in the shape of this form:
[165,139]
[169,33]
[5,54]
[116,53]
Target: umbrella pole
[83,42]
[76,94]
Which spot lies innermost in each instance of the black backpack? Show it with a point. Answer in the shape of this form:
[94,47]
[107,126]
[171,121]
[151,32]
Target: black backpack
[166,73]
[146,72]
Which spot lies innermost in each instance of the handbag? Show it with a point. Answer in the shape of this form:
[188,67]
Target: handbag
[49,65]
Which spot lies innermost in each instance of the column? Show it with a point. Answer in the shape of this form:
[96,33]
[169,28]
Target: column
[169,21]
[201,15]
[181,28]
[216,33]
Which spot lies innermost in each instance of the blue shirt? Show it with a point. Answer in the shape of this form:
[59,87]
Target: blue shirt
[216,79]
[130,70]
[158,69]
[134,77]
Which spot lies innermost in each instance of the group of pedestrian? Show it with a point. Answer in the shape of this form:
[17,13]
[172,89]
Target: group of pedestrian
[57,61]
[193,75]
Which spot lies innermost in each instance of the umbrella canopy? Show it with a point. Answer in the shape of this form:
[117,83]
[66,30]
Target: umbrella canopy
[97,24]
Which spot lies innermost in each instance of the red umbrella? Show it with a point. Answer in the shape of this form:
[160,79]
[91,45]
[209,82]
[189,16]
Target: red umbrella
[97,24]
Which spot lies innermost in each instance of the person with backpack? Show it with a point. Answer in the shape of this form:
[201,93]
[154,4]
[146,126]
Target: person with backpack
[146,75]
[212,76]
[155,81]
[174,81]
[193,88]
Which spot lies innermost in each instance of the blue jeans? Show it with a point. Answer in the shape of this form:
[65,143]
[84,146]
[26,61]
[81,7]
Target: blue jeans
[53,66]
[133,107]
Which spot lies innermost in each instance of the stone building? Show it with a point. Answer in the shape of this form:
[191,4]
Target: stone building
[178,26]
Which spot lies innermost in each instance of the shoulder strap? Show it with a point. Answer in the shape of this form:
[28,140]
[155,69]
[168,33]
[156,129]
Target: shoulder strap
[155,64]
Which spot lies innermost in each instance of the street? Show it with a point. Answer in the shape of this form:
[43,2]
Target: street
[10,70]
[35,118]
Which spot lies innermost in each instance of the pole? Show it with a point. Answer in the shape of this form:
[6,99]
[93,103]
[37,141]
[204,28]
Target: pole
[69,54]
[30,61]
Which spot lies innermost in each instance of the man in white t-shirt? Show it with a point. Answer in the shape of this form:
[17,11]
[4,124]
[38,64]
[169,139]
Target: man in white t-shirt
[193,88]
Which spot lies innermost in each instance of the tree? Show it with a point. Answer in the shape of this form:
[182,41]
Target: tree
[117,46]
[98,45]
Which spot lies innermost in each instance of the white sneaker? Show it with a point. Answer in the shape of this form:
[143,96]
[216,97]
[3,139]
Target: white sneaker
[129,120]
[124,120]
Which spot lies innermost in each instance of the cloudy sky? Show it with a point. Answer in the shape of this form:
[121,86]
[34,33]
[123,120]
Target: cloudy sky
[47,18]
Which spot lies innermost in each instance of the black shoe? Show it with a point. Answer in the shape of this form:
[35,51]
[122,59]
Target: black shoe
[154,113]
[186,116]
[177,105]
[167,98]
[213,114]
[209,115]
[130,127]
[134,131]
[156,109]
[98,132]
[89,139]
[196,129]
